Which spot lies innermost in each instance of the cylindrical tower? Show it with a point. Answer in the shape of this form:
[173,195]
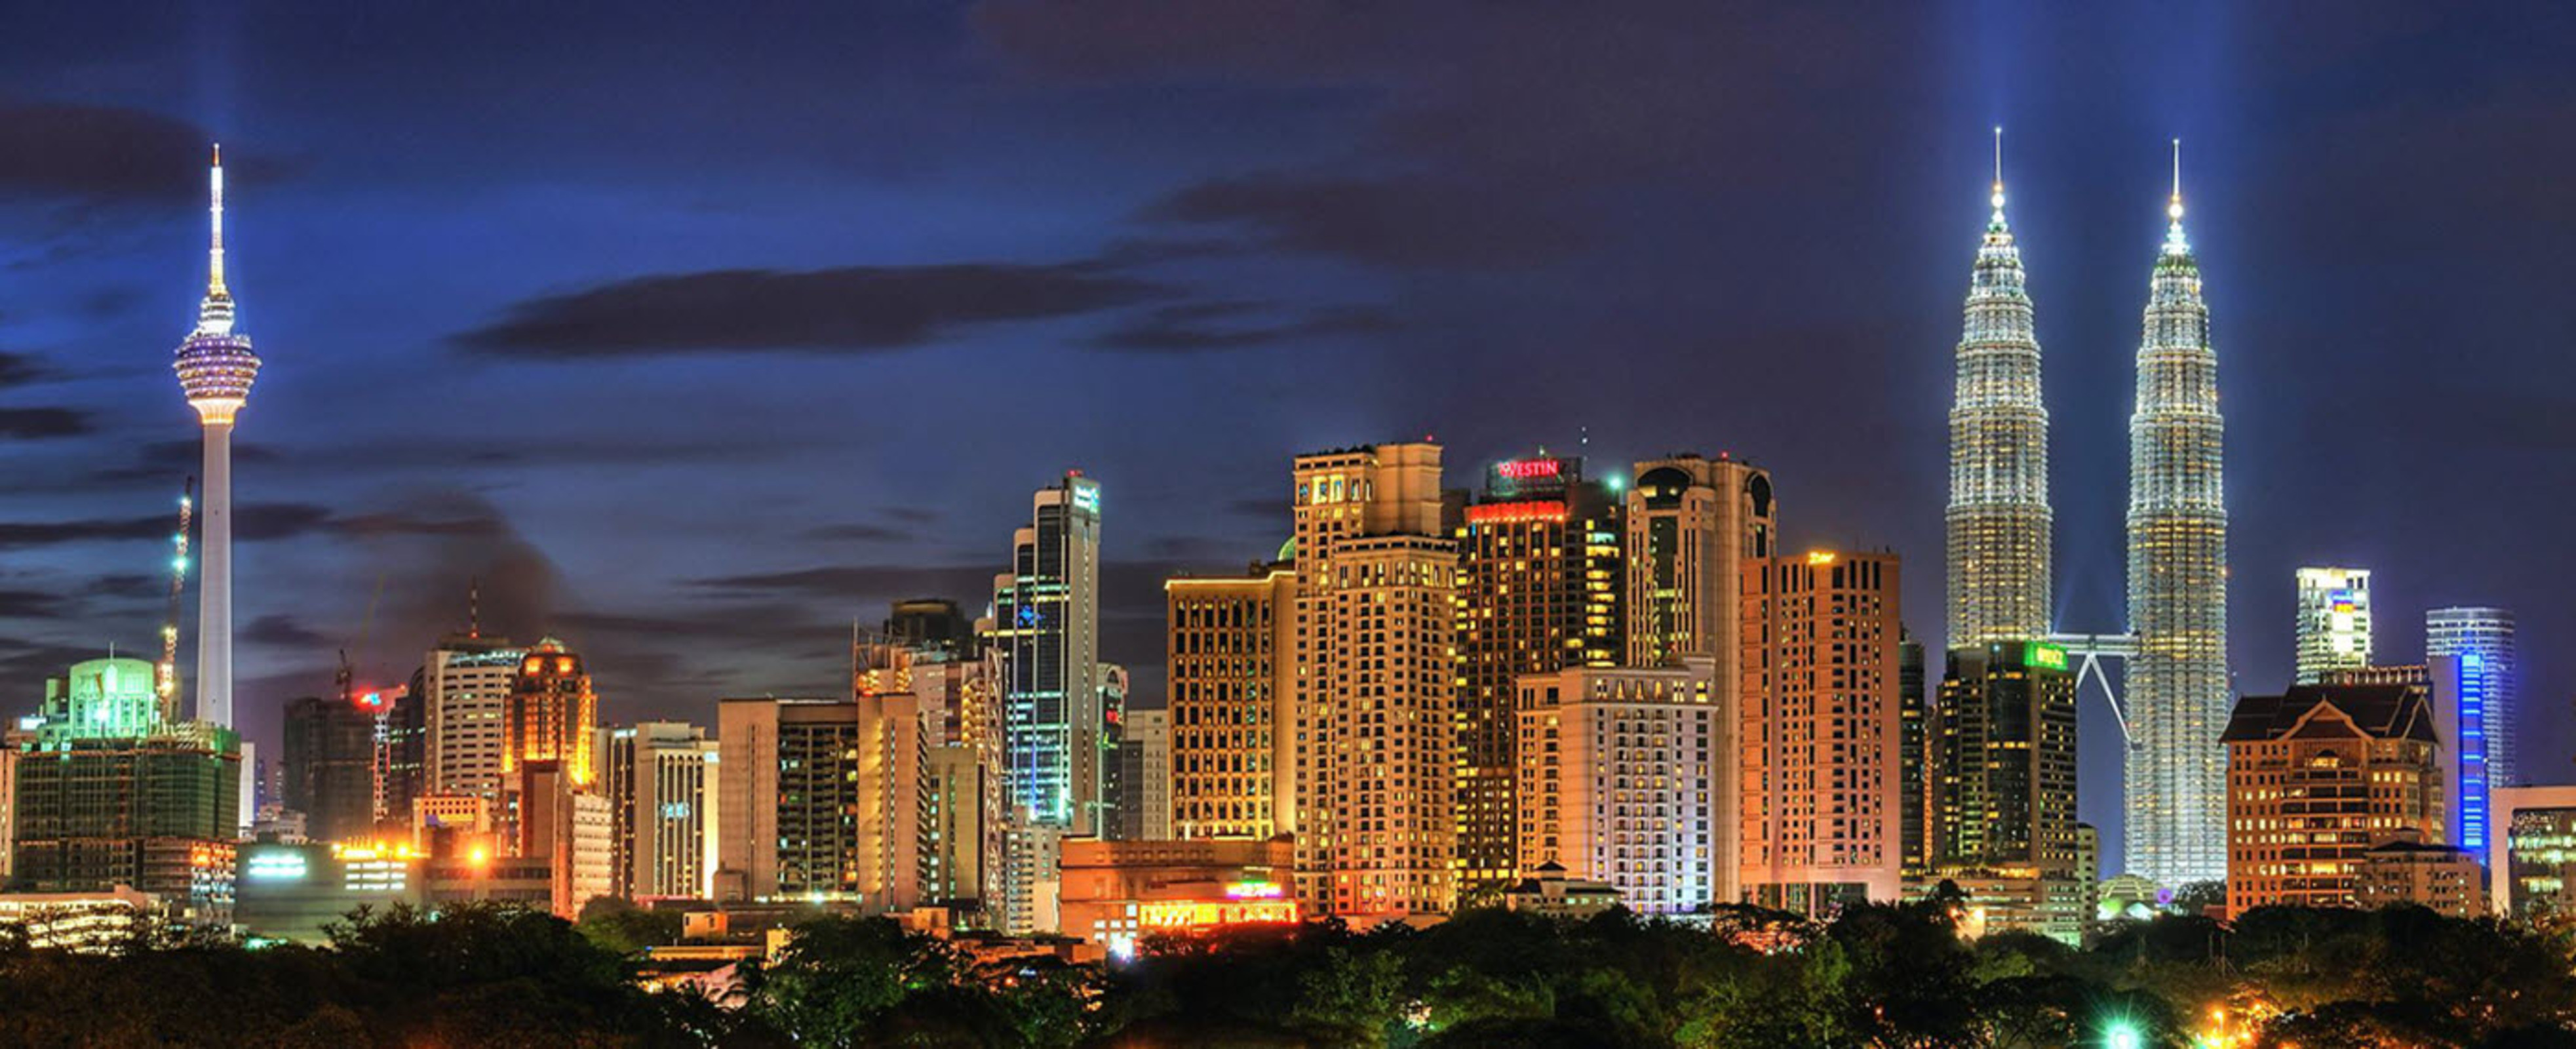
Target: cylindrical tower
[216,367]
[2178,687]
[1999,518]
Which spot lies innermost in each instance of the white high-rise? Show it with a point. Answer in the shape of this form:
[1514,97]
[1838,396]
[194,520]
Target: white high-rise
[2334,622]
[2487,633]
[216,368]
[2179,694]
[1999,517]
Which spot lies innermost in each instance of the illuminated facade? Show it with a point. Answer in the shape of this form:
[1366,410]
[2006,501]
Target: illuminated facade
[1999,519]
[464,693]
[2316,778]
[1693,524]
[2488,632]
[1046,623]
[294,893]
[2176,773]
[551,714]
[1817,738]
[216,367]
[571,829]
[1145,775]
[2460,684]
[2003,751]
[1914,820]
[1619,769]
[659,778]
[158,812]
[1232,702]
[2334,622]
[1540,589]
[101,922]
[2446,878]
[788,803]
[1115,893]
[2531,857]
[1377,585]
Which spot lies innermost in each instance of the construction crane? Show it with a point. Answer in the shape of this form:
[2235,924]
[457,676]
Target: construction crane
[166,676]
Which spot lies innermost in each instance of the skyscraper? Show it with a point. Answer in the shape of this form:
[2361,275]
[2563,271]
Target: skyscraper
[1540,590]
[787,803]
[2176,775]
[1619,766]
[1819,734]
[216,368]
[1145,776]
[464,692]
[1232,705]
[552,714]
[2004,745]
[1999,517]
[660,779]
[1377,584]
[1046,622]
[2334,622]
[2489,633]
[329,759]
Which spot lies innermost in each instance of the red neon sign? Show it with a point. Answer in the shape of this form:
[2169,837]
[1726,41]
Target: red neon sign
[1516,513]
[1529,469]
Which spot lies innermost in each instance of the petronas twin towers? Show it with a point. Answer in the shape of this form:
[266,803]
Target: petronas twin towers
[1999,542]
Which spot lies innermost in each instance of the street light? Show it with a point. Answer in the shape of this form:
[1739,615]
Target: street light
[2123,1035]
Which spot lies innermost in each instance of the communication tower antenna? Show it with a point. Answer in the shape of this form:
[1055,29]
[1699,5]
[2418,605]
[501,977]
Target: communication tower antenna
[166,675]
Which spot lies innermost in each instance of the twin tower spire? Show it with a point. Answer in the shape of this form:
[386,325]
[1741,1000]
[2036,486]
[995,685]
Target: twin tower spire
[2000,522]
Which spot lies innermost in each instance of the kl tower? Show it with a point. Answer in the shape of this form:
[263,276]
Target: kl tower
[215,368]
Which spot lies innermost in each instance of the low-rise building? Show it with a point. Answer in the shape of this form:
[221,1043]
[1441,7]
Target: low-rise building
[81,922]
[2445,878]
[1114,893]
[1550,891]
[293,892]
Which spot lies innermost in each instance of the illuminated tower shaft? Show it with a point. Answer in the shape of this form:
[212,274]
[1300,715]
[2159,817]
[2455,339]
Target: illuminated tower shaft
[215,369]
[1999,516]
[2177,682]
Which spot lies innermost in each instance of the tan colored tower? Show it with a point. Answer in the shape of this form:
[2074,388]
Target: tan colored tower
[1817,734]
[2319,776]
[1376,608]
[1692,524]
[552,715]
[1231,704]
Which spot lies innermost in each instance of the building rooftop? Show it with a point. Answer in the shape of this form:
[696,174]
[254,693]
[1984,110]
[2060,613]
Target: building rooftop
[2383,711]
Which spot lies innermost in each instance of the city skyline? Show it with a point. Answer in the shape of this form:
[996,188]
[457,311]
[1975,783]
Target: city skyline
[445,422]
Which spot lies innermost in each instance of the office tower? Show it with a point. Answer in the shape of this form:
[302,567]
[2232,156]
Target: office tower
[216,367]
[2489,633]
[891,766]
[931,623]
[2334,622]
[1619,779]
[1693,523]
[787,803]
[1232,702]
[2316,777]
[1377,585]
[1145,776]
[2531,857]
[1540,589]
[1117,791]
[1999,517]
[2449,880]
[465,691]
[572,829]
[2003,745]
[107,794]
[329,764]
[1817,734]
[1914,728]
[2459,697]
[552,714]
[965,810]
[402,753]
[2176,774]
[1047,624]
[659,778]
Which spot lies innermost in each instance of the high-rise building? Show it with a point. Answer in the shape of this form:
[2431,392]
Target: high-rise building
[2489,633]
[931,623]
[465,692]
[216,367]
[1914,731]
[2176,775]
[1693,523]
[1117,791]
[660,779]
[1618,780]
[99,799]
[2334,622]
[1540,589]
[552,714]
[1999,517]
[572,829]
[1232,702]
[1145,776]
[788,801]
[965,811]
[1377,585]
[2316,777]
[1046,622]
[2003,745]
[402,752]
[2459,698]
[2531,857]
[1818,732]
[892,767]
[329,763]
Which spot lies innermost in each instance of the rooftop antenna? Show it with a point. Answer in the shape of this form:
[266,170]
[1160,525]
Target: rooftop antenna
[474,607]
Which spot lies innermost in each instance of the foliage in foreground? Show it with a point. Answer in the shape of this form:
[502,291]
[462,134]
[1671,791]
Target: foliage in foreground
[1881,976]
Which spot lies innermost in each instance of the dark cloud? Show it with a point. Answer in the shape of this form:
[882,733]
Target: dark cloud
[257,522]
[852,308]
[1176,329]
[280,631]
[127,585]
[859,581]
[18,369]
[30,604]
[175,460]
[911,514]
[39,423]
[862,532]
[99,154]
[1414,222]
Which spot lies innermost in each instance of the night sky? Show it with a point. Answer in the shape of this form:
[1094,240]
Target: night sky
[697,331]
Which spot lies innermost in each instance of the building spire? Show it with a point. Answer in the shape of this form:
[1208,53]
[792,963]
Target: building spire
[2174,242]
[215,315]
[1998,198]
